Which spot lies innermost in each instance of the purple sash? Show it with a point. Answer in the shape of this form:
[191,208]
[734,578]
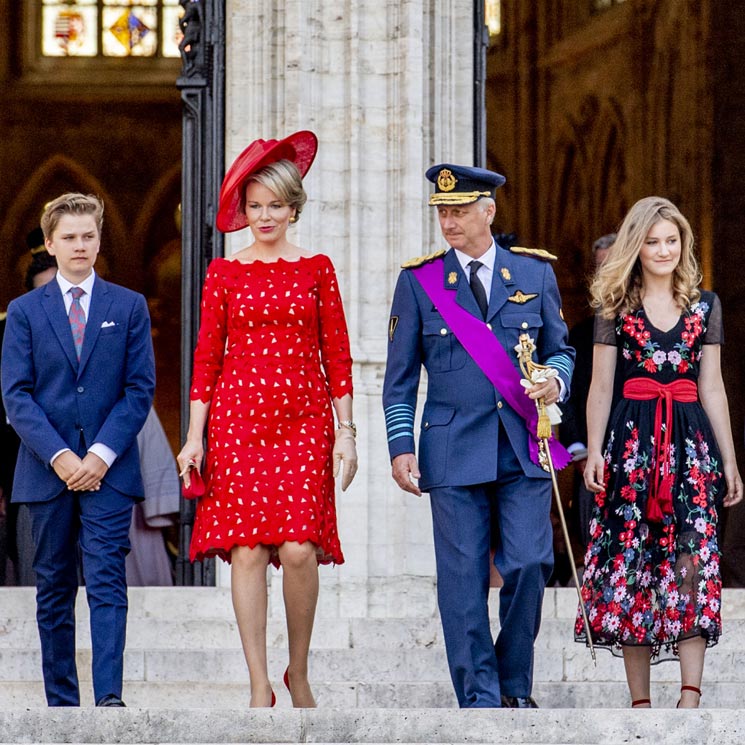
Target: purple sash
[491,357]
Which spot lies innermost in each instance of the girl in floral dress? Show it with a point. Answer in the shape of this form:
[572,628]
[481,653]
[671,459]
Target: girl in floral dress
[652,584]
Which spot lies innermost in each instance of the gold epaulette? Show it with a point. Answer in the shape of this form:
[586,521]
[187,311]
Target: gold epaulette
[3,315]
[419,260]
[536,253]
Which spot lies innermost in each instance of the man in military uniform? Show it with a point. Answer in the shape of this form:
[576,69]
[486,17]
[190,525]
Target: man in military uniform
[460,313]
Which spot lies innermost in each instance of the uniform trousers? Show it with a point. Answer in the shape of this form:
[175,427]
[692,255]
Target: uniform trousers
[517,509]
[99,523]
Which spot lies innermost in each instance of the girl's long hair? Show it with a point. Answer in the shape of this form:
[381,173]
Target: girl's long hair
[616,287]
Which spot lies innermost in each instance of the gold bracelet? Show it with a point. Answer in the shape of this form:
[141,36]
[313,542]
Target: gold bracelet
[349,424]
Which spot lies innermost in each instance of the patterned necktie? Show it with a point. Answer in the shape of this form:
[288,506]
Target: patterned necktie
[477,288]
[77,319]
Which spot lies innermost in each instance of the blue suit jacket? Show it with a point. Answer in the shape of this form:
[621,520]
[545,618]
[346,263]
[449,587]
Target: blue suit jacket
[460,423]
[55,402]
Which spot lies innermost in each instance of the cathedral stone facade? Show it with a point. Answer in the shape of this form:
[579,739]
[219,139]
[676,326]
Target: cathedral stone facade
[589,105]
[388,89]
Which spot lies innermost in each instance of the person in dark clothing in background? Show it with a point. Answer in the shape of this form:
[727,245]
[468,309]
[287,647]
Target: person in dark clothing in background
[16,547]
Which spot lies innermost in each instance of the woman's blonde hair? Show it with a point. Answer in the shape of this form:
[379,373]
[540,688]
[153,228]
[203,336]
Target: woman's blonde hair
[616,287]
[284,179]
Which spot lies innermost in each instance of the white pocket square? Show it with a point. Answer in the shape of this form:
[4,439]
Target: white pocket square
[107,324]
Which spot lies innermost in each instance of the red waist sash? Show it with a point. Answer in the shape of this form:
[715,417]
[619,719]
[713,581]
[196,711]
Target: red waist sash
[660,499]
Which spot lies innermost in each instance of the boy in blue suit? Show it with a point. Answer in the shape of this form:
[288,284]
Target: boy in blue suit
[474,456]
[78,378]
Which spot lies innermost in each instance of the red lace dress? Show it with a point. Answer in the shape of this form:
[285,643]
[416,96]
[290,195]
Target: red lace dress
[272,352]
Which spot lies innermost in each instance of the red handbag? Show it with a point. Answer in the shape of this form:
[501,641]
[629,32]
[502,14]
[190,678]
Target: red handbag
[196,485]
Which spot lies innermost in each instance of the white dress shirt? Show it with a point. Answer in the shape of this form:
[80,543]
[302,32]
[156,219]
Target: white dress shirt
[104,452]
[485,272]
[485,275]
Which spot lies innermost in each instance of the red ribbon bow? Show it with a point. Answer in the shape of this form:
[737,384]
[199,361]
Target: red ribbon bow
[684,390]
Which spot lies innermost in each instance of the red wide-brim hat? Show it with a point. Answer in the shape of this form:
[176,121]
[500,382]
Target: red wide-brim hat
[299,147]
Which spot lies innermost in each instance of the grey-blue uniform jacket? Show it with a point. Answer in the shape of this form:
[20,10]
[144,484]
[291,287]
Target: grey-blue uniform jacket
[460,422]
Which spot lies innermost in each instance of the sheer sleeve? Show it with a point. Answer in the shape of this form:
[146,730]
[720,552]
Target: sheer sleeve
[213,331]
[605,331]
[333,337]
[714,327]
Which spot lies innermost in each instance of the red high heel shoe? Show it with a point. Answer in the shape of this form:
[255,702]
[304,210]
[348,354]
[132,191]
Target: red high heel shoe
[286,681]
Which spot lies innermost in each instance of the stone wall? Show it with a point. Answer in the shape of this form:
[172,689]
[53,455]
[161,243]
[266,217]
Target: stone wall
[387,87]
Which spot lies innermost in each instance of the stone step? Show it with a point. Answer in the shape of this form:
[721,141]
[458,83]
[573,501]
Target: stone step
[334,633]
[546,726]
[363,666]
[385,695]
[188,604]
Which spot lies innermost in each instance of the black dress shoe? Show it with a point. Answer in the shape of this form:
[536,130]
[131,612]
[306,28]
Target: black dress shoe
[110,700]
[518,702]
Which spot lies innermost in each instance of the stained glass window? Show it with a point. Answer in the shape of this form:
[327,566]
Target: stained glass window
[110,28]
[493,17]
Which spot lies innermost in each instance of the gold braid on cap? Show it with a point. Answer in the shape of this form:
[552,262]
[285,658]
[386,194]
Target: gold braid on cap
[457,197]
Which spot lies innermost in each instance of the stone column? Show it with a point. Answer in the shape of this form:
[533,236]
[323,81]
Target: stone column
[387,87]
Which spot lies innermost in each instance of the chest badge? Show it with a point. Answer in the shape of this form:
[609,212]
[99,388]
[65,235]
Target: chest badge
[521,297]
[505,272]
[453,278]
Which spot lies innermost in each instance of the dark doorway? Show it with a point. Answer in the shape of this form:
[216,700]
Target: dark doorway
[88,108]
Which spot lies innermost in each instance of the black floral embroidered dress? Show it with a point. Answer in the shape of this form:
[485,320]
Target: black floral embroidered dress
[656,583]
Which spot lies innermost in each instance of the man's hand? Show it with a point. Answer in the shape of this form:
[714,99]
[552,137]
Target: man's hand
[66,464]
[89,474]
[549,391]
[404,468]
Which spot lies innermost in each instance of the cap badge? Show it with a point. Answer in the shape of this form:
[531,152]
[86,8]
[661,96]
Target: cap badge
[505,272]
[445,180]
[452,278]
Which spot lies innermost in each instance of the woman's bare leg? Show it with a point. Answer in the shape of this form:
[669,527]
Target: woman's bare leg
[248,589]
[300,591]
[637,664]
[691,652]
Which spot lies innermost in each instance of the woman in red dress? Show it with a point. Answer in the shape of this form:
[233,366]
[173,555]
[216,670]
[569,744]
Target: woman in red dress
[271,367]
